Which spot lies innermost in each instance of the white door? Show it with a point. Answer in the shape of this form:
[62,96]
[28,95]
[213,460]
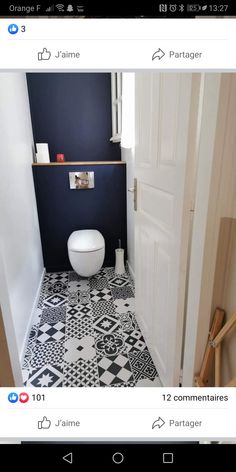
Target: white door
[162,109]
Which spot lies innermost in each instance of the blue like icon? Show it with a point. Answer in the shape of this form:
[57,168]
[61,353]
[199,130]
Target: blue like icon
[13,397]
[13,28]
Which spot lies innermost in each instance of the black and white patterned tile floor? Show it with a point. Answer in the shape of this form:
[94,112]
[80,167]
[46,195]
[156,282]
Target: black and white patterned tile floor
[85,334]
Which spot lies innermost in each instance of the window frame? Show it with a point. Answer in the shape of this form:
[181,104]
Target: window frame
[116,106]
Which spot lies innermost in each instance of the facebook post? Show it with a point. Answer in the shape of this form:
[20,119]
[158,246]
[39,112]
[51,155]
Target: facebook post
[118,233]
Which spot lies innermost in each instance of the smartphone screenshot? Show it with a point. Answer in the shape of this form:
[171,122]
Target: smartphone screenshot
[118,234]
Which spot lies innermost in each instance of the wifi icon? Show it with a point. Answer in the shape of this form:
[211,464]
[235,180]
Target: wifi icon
[60,7]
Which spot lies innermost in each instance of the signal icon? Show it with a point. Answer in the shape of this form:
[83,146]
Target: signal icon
[50,9]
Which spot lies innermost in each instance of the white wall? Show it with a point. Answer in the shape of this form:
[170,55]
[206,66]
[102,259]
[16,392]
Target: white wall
[22,263]
[127,155]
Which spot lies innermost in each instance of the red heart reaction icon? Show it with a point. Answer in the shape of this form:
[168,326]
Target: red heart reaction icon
[24,397]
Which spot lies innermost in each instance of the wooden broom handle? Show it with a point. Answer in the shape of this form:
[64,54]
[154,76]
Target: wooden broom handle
[202,379]
[225,330]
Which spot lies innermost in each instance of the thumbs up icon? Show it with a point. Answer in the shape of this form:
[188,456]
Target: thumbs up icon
[13,397]
[13,29]
[44,55]
[44,423]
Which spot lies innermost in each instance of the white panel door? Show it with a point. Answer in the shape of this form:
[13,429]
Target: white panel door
[162,108]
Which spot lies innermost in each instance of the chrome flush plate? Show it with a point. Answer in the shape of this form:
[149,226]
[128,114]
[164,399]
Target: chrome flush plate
[81,180]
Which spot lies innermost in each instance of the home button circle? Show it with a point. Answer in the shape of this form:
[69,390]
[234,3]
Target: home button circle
[118,458]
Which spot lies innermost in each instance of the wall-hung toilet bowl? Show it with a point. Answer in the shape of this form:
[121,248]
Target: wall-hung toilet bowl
[86,250]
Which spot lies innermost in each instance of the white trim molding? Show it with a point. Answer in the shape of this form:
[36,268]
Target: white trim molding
[22,354]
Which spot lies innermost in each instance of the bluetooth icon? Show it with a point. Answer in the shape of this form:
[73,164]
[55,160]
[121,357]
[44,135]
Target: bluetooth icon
[181,7]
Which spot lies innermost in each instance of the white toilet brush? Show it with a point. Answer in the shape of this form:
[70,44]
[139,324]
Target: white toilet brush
[120,266]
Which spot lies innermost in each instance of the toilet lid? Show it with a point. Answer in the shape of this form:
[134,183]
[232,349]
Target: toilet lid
[86,240]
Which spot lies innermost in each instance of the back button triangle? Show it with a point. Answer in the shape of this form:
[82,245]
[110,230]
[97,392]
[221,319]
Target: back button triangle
[68,458]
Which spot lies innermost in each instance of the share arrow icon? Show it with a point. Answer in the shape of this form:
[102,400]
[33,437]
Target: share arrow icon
[159,54]
[158,423]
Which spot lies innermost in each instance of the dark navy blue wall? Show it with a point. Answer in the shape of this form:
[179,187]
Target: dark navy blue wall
[72,113]
[62,210]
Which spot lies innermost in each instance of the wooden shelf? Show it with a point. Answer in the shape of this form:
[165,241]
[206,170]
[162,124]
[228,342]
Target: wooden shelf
[78,163]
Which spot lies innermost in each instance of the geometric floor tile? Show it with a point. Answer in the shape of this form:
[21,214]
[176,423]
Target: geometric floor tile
[110,273]
[33,335]
[149,383]
[51,332]
[37,315]
[26,364]
[46,376]
[123,384]
[25,375]
[142,365]
[42,295]
[79,327]
[78,311]
[124,305]
[85,334]
[114,370]
[134,340]
[46,277]
[79,349]
[122,292]
[81,374]
[55,300]
[118,281]
[102,273]
[52,315]
[58,277]
[84,297]
[78,285]
[98,295]
[57,287]
[98,284]
[106,324]
[110,344]
[103,307]
[73,298]
[128,321]
[73,277]
[48,353]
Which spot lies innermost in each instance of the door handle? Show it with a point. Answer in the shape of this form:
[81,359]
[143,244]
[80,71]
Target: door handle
[134,191]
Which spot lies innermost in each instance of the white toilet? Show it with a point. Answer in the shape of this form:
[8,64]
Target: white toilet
[86,250]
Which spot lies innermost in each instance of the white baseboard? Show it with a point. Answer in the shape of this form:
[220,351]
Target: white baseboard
[131,271]
[24,345]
